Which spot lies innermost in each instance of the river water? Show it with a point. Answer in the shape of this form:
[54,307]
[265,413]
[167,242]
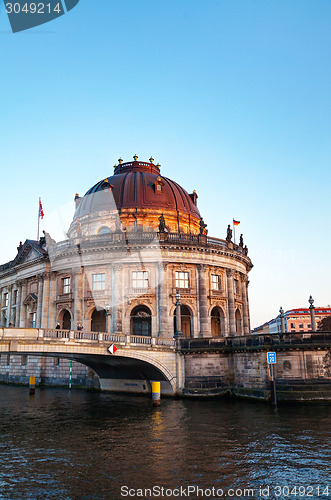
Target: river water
[89,445]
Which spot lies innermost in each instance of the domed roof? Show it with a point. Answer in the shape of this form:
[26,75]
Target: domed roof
[137,185]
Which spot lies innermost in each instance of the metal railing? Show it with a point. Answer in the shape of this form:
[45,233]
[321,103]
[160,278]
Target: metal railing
[259,341]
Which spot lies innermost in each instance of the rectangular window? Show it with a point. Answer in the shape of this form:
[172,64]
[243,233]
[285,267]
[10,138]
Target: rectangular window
[236,287]
[24,360]
[301,325]
[5,299]
[140,279]
[15,297]
[182,279]
[292,325]
[215,282]
[13,316]
[98,281]
[33,320]
[66,285]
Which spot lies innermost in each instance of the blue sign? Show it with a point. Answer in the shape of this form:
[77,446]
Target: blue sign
[271,357]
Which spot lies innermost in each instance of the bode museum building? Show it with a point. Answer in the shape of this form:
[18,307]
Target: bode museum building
[136,240]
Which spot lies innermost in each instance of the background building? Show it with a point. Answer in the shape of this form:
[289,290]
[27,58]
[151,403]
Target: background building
[295,320]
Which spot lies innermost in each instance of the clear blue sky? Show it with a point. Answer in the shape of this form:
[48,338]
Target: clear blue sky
[232,97]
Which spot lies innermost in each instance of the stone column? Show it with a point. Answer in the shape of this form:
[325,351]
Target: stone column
[45,301]
[117,297]
[203,302]
[77,294]
[52,300]
[231,303]
[163,300]
[18,304]
[22,306]
[40,300]
[244,285]
[10,291]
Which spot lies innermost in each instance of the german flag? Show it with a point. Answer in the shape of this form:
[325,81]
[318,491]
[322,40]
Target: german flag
[236,222]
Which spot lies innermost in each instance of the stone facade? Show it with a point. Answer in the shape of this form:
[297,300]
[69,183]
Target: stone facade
[136,239]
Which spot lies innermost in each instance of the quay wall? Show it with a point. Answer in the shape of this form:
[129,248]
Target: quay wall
[300,374]
[49,371]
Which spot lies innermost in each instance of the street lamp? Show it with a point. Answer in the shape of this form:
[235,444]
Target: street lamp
[282,323]
[107,317]
[178,332]
[312,313]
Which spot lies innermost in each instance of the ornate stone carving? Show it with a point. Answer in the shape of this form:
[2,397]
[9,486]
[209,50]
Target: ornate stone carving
[202,267]
[229,234]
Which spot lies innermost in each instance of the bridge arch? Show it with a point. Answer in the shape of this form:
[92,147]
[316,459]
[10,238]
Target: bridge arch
[129,367]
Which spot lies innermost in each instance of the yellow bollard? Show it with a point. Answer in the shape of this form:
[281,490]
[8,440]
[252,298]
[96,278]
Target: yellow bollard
[156,393]
[32,385]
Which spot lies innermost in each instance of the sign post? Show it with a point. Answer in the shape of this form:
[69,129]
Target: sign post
[271,359]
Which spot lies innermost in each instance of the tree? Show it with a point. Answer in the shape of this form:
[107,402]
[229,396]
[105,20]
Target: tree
[325,324]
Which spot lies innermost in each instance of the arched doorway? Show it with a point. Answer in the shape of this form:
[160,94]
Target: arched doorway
[185,317]
[141,321]
[238,323]
[217,322]
[65,319]
[98,320]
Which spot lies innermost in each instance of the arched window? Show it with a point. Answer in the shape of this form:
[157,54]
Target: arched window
[217,322]
[65,319]
[238,323]
[98,321]
[186,321]
[141,321]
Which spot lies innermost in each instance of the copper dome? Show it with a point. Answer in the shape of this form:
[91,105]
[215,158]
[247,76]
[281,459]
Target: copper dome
[137,186]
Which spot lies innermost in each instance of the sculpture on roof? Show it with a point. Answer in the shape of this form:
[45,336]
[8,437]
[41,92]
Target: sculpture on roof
[162,225]
[202,226]
[229,234]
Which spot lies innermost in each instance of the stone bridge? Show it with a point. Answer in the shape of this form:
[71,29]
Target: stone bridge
[137,361]
[200,367]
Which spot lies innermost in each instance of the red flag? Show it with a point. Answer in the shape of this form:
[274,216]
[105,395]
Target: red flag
[41,211]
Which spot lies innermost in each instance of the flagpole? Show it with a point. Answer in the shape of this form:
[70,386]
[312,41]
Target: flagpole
[38,218]
[234,231]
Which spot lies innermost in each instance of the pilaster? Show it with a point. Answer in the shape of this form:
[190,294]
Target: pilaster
[205,330]
[40,278]
[246,322]
[231,303]
[163,299]
[117,297]
[22,305]
[77,294]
